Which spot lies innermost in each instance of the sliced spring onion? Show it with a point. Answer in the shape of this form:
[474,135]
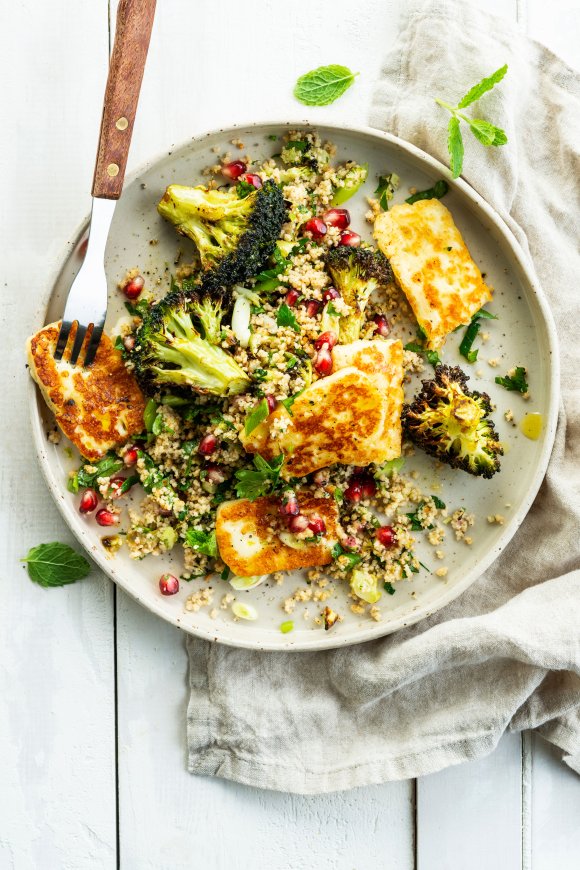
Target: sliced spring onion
[241,320]
[292,541]
[244,611]
[364,586]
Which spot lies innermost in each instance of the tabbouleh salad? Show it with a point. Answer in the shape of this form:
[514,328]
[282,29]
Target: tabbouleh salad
[271,316]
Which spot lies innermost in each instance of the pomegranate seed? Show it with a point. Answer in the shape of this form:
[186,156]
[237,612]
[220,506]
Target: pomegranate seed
[386,536]
[252,179]
[271,403]
[317,526]
[323,362]
[106,518]
[327,338]
[133,288]
[316,227]
[331,293]
[292,297]
[131,456]
[129,342]
[353,492]
[381,325]
[168,584]
[215,473]
[337,217]
[350,239]
[289,505]
[115,485]
[312,308]
[207,445]
[89,501]
[367,484]
[298,523]
[234,170]
[321,477]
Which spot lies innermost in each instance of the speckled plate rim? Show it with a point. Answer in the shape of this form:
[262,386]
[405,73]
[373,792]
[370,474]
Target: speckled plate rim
[317,640]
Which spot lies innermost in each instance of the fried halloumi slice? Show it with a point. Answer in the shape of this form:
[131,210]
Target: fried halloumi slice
[250,545]
[383,361]
[336,419]
[351,417]
[99,407]
[432,266]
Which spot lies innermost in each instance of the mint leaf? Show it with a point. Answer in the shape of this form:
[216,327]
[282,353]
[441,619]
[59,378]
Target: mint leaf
[149,414]
[105,467]
[438,191]
[256,416]
[389,588]
[289,401]
[55,565]
[455,147]
[202,542]
[323,85]
[482,87]
[285,317]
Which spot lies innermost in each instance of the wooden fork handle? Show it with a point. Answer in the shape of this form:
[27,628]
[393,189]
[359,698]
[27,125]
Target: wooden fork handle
[134,23]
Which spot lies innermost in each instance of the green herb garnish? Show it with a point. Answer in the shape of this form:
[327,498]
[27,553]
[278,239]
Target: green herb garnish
[55,565]
[419,347]
[202,542]
[440,505]
[256,416]
[264,479]
[285,317]
[149,414]
[516,382]
[438,191]
[289,401]
[486,133]
[351,558]
[471,334]
[389,588]
[386,189]
[105,467]
[323,86]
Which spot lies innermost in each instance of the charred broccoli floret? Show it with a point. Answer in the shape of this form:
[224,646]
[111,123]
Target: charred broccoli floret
[171,352]
[234,234]
[451,422]
[356,273]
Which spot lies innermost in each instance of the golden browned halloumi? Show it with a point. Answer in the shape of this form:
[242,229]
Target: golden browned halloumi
[98,407]
[248,548]
[336,419]
[351,417]
[383,361]
[432,266]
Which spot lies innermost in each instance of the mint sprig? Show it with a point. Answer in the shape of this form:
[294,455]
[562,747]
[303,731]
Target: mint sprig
[484,131]
[323,85]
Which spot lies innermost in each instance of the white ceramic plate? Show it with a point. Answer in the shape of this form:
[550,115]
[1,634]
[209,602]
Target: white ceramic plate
[523,335]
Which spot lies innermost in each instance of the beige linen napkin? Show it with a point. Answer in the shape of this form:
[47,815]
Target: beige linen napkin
[506,654]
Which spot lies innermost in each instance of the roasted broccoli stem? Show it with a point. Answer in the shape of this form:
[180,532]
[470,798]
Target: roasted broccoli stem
[451,422]
[356,273]
[234,235]
[171,353]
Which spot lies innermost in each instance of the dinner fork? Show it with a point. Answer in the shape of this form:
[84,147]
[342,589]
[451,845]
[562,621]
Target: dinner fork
[86,303]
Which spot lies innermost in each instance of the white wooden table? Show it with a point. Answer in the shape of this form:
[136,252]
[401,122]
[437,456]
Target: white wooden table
[92,687]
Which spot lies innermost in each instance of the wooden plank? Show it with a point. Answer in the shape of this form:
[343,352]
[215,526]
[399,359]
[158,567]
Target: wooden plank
[555,810]
[470,815]
[170,818]
[57,749]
